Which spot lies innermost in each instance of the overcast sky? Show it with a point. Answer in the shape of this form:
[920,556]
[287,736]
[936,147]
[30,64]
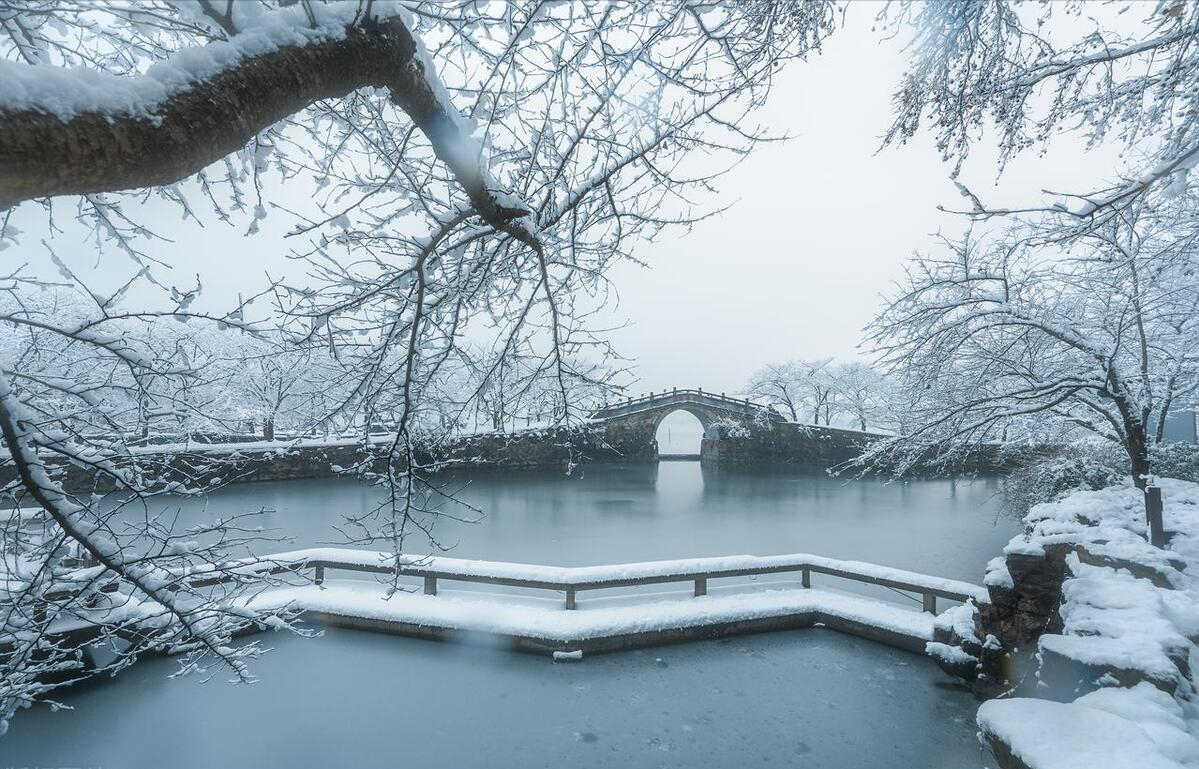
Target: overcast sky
[821,225]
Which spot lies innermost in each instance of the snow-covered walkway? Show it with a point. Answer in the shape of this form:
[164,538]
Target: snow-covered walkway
[602,624]
[628,605]
[753,593]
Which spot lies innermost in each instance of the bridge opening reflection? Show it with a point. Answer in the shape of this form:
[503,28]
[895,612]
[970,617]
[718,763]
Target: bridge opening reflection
[679,433]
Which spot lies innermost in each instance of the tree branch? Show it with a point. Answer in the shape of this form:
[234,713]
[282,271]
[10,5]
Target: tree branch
[42,155]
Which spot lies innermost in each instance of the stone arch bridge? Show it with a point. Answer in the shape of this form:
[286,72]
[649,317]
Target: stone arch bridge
[630,426]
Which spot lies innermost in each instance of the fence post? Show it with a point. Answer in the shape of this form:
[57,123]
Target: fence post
[807,578]
[701,586]
[930,603]
[430,585]
[570,598]
[1153,516]
[319,578]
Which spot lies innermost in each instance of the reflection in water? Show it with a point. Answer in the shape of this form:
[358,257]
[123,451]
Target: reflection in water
[808,698]
[649,511]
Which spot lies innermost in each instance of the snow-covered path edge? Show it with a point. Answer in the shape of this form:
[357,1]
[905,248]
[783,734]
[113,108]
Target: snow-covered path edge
[543,626]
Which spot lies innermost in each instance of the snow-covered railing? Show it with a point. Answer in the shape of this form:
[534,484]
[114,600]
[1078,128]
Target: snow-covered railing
[572,580]
[666,396]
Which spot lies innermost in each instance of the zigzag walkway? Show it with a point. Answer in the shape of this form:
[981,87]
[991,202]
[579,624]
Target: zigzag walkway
[606,623]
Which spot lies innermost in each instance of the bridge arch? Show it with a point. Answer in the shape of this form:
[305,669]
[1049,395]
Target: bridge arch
[681,432]
[631,426]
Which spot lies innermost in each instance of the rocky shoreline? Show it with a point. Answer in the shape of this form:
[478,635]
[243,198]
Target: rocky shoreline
[1086,648]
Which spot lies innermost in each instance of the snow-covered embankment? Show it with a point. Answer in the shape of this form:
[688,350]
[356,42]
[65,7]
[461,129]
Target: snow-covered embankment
[1094,631]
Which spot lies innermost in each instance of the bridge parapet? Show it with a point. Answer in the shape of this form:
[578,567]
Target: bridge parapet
[683,398]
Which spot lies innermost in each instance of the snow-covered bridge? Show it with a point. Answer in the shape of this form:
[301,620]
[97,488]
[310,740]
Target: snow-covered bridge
[755,594]
[631,424]
[707,407]
[735,430]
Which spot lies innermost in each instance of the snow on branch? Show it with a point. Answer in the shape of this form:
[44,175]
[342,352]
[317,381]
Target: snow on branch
[1127,74]
[78,131]
[1046,332]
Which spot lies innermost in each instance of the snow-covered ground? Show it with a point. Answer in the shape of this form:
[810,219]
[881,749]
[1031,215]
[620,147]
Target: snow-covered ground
[1131,619]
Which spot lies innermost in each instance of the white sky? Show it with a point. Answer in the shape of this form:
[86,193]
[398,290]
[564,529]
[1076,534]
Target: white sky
[821,226]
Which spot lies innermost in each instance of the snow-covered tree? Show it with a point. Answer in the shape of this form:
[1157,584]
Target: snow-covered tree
[859,394]
[1121,72]
[75,380]
[269,381]
[805,389]
[823,391]
[1052,323]
[466,169]
[778,385]
[1067,314]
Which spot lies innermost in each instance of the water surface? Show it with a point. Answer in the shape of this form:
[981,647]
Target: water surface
[652,511]
[809,698]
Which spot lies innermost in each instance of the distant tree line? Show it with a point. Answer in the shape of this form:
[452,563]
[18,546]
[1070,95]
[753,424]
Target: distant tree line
[233,384]
[820,391]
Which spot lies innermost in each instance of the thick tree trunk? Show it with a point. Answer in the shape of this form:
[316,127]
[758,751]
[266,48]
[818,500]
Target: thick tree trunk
[42,156]
[1137,446]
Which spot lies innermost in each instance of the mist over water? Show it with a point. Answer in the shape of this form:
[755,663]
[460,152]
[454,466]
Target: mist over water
[653,511]
[801,698]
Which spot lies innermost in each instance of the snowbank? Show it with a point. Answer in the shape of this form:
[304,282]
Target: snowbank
[1137,728]
[1119,668]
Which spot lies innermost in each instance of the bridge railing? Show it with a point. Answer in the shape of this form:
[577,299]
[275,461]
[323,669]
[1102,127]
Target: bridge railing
[570,581]
[663,395]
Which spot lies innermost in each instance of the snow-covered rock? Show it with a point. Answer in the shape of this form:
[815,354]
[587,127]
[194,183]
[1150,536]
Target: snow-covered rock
[1138,728]
[1114,621]
[956,646]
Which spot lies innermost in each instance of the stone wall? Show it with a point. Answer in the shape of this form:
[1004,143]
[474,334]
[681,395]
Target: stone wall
[784,443]
[231,463]
[824,448]
[727,444]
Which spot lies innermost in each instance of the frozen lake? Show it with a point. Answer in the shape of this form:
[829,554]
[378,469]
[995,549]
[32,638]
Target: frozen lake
[804,698]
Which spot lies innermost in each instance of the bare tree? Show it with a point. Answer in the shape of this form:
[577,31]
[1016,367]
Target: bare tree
[1091,327]
[1127,72]
[470,171]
